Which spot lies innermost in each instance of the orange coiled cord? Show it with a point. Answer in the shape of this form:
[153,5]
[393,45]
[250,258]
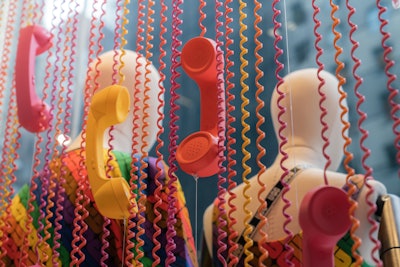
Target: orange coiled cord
[160,142]
[261,135]
[352,188]
[202,17]
[246,141]
[231,162]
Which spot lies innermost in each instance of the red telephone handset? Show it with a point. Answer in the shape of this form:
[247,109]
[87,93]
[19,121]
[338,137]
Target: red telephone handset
[198,153]
[33,113]
[108,107]
[324,218]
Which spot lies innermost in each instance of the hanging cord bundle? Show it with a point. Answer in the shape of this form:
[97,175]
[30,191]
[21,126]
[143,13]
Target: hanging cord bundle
[82,200]
[282,138]
[11,133]
[231,151]
[48,194]
[132,225]
[160,142]
[106,221]
[246,128]
[143,176]
[222,246]
[261,136]
[172,136]
[67,74]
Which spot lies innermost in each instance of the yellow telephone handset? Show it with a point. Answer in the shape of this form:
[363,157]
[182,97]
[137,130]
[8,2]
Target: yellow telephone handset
[108,107]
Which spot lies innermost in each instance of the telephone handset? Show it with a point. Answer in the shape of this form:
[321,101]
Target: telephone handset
[324,218]
[108,107]
[197,154]
[33,113]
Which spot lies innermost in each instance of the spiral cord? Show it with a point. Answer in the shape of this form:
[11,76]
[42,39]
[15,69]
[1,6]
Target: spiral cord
[67,74]
[222,234]
[260,136]
[82,200]
[355,223]
[246,128]
[389,64]
[393,92]
[160,142]
[138,85]
[202,17]
[231,151]
[282,127]
[173,136]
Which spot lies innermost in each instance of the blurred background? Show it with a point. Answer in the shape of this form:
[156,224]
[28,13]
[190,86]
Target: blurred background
[299,52]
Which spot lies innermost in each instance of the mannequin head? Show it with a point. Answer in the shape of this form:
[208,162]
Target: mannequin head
[123,132]
[303,114]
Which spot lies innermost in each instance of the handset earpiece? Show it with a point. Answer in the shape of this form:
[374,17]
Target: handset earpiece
[197,154]
[33,113]
[108,107]
[324,218]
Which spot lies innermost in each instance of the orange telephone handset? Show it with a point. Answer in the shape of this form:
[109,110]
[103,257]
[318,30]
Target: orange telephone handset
[197,154]
[108,107]
[33,113]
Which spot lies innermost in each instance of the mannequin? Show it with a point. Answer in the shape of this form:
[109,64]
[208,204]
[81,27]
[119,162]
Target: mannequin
[304,148]
[121,163]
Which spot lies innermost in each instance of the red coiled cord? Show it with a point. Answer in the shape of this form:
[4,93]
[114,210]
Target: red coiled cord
[233,234]
[282,137]
[173,136]
[160,142]
[393,92]
[222,234]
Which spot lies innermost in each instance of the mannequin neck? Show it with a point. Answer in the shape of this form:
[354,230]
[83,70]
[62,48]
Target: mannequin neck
[301,155]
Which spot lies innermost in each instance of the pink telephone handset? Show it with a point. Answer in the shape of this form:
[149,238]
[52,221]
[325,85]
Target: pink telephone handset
[324,218]
[108,107]
[197,154]
[33,113]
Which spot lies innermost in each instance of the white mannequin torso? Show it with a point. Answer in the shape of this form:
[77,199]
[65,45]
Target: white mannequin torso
[304,147]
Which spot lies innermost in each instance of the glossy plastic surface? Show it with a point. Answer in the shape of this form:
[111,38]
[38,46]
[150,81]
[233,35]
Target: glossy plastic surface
[108,107]
[324,218]
[198,153]
[33,113]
